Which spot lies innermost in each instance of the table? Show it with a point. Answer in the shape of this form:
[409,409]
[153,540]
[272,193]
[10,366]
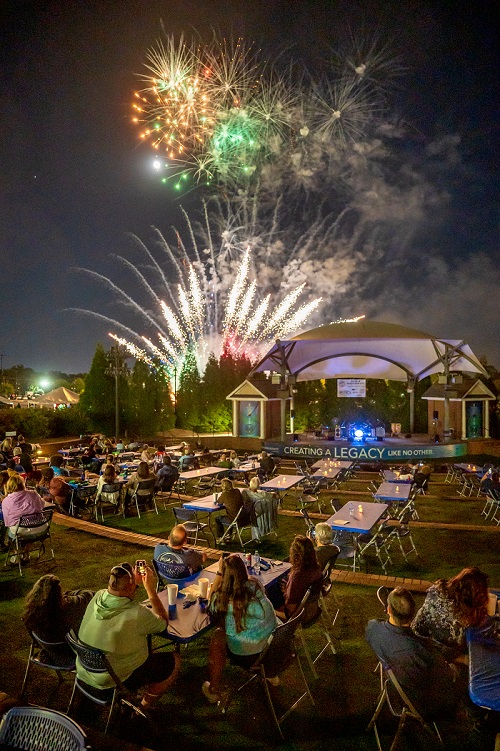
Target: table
[390,476]
[185,624]
[327,473]
[282,482]
[470,469]
[205,505]
[359,523]
[194,474]
[246,467]
[72,452]
[325,463]
[390,491]
[267,578]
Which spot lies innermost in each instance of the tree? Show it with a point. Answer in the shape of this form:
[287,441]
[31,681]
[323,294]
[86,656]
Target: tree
[97,400]
[149,404]
[188,393]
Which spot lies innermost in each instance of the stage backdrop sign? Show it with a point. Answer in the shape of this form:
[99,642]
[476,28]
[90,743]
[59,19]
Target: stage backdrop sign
[351,387]
[366,452]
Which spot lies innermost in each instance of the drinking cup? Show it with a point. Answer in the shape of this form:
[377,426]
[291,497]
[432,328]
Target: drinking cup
[203,587]
[172,590]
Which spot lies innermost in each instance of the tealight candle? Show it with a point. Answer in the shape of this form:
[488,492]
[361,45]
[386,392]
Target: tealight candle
[397,488]
[360,508]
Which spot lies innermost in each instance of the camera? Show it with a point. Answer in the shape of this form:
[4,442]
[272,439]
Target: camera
[141,567]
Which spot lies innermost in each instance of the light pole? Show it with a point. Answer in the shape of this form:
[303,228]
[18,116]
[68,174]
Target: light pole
[116,368]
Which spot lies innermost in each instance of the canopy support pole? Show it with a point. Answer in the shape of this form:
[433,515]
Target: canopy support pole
[411,391]
[446,420]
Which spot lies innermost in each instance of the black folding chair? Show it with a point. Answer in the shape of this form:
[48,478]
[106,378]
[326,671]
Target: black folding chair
[278,655]
[56,656]
[95,661]
[32,530]
[144,493]
[37,728]
[82,499]
[403,710]
[189,519]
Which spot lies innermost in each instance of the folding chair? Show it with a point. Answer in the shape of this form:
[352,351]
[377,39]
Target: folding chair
[308,499]
[56,656]
[204,486]
[405,711]
[380,543]
[189,519]
[82,499]
[109,496]
[491,503]
[495,495]
[95,661]
[37,728]
[348,545]
[179,488]
[144,492]
[236,526]
[38,527]
[402,534]
[450,473]
[168,572]
[314,615]
[278,655]
[327,591]
[309,523]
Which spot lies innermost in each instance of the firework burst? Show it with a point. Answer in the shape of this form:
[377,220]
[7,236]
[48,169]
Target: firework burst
[216,112]
[216,304]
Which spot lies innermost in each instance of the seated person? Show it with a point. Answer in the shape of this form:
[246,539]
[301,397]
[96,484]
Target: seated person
[50,612]
[326,551]
[120,445]
[167,475]
[233,457]
[490,481]
[118,623]
[146,453]
[108,477]
[20,502]
[13,467]
[57,465]
[186,461]
[60,493]
[266,465]
[423,673]
[245,619]
[89,458]
[176,551]
[24,460]
[224,462]
[305,572]
[453,605]
[142,473]
[232,501]
[133,446]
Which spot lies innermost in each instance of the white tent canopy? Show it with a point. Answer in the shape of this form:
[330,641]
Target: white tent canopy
[61,395]
[368,349]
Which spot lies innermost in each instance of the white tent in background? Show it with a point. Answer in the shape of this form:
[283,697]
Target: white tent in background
[368,349]
[58,396]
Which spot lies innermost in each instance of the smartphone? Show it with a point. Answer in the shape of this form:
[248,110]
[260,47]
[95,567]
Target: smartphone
[141,567]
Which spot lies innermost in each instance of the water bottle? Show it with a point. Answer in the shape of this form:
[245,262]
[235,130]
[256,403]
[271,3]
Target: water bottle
[351,509]
[256,562]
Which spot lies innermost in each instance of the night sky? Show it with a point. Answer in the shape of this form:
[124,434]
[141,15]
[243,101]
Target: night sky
[74,180]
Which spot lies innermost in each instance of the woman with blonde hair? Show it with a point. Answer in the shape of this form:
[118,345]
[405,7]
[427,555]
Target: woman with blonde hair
[50,613]
[245,619]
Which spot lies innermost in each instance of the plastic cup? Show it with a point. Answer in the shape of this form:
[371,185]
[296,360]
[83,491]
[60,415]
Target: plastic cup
[203,586]
[172,590]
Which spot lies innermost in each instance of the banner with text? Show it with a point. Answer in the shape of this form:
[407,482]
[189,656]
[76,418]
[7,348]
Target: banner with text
[366,452]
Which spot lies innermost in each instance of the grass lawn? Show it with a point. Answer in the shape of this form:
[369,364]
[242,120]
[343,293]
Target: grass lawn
[345,692]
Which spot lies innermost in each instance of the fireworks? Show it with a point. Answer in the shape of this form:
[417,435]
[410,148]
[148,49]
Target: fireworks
[217,112]
[217,305]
